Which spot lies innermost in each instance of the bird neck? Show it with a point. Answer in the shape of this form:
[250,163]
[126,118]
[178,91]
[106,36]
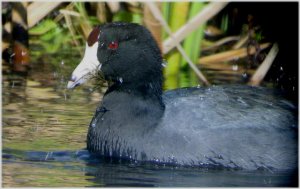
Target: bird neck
[149,91]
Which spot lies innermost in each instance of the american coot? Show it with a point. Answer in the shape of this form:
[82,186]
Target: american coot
[220,126]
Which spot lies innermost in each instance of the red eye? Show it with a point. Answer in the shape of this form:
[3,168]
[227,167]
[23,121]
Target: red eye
[113,45]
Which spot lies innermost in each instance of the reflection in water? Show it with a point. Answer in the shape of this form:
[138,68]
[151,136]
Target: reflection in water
[40,115]
[79,168]
[44,136]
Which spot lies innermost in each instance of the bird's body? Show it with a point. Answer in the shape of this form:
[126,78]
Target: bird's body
[248,130]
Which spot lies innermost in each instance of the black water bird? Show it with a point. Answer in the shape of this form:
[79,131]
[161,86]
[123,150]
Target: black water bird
[220,126]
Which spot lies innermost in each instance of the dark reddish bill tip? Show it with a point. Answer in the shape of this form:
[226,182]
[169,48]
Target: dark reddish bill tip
[93,37]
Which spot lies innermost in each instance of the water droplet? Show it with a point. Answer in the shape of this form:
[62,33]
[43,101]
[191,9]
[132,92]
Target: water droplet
[151,85]
[48,155]
[293,88]
[121,80]
[164,63]
[13,84]
[101,45]
[62,62]
[12,55]
[99,66]
[198,86]
[245,75]
[281,68]
[240,100]
[93,124]
[102,119]
[235,67]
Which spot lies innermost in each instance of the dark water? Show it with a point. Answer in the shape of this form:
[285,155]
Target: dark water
[78,168]
[44,135]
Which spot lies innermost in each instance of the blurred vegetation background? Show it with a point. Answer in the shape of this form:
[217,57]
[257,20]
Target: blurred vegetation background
[226,42]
